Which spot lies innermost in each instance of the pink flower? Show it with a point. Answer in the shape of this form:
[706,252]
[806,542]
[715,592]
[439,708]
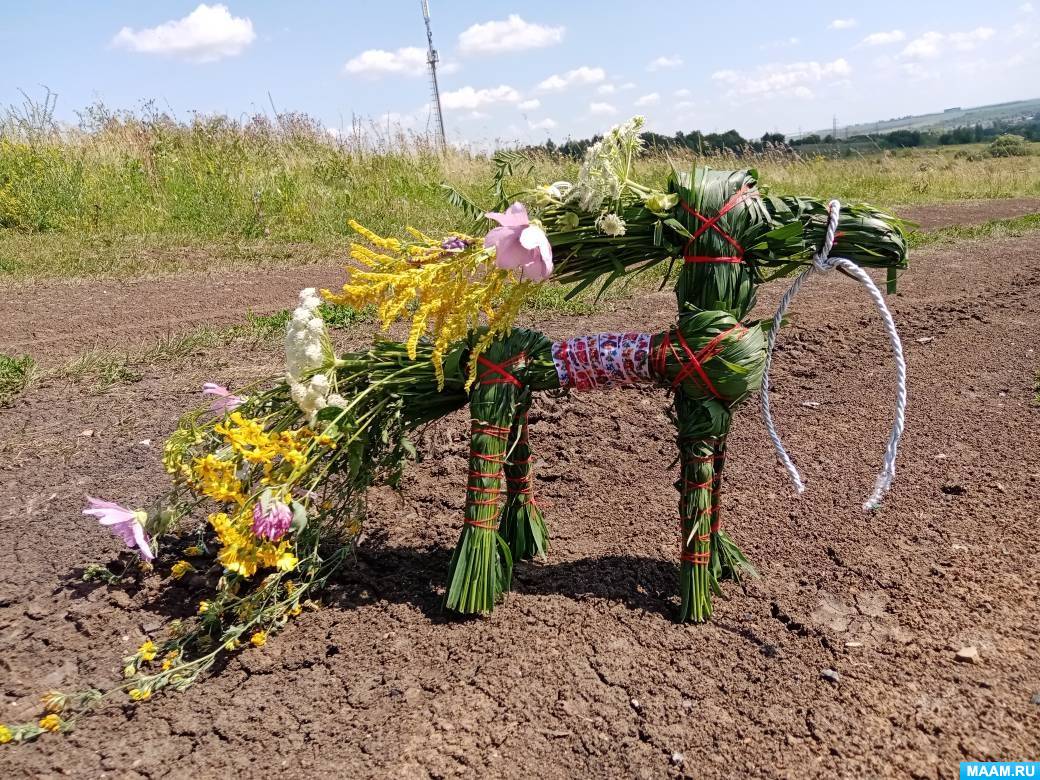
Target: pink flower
[127,525]
[223,401]
[519,244]
[271,519]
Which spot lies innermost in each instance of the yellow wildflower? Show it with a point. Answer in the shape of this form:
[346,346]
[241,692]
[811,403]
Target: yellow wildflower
[54,701]
[278,556]
[443,291]
[216,479]
[148,651]
[232,644]
[6,735]
[174,451]
[140,694]
[204,607]
[290,587]
[167,665]
[258,639]
[181,568]
[240,559]
[193,551]
[383,243]
[248,438]
[52,723]
[296,610]
[129,670]
[286,561]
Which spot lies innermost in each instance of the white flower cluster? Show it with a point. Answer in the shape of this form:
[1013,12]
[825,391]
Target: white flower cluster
[605,167]
[308,350]
[610,224]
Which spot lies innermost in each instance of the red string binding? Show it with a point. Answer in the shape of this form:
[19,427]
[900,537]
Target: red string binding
[503,376]
[712,223]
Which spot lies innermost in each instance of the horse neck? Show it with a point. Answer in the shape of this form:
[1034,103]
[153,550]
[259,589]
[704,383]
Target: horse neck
[713,286]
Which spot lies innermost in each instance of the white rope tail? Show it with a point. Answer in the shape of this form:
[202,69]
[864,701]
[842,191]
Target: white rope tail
[822,263]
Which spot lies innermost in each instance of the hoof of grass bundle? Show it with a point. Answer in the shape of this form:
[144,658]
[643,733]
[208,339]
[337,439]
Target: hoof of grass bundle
[698,585]
[480,572]
[524,530]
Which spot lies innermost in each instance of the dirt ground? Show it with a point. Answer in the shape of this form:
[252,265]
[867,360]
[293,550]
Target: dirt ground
[969,212]
[55,320]
[581,672]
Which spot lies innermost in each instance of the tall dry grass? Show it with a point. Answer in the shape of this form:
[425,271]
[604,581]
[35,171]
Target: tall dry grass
[76,200]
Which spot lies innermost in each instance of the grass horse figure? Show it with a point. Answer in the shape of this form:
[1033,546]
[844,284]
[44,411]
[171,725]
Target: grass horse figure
[727,235]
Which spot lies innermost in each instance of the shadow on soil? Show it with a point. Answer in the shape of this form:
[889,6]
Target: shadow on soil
[416,576]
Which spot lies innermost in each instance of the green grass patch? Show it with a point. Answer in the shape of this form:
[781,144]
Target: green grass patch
[146,195]
[16,373]
[1014,227]
[335,315]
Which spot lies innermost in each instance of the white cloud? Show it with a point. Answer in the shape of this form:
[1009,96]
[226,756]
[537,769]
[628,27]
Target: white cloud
[651,99]
[529,105]
[1026,8]
[924,46]
[884,38]
[931,44]
[509,35]
[664,63]
[628,85]
[606,89]
[683,105]
[576,77]
[790,80]
[407,61]
[602,108]
[472,99]
[543,124]
[842,24]
[966,41]
[207,34]
[682,93]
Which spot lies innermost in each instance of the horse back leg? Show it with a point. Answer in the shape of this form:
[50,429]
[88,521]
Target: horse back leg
[523,525]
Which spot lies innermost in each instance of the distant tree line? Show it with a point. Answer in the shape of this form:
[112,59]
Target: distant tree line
[732,141]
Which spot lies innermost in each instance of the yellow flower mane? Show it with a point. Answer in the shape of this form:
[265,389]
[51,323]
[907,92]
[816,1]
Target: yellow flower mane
[446,292]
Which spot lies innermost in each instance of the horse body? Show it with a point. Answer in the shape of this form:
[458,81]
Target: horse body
[711,361]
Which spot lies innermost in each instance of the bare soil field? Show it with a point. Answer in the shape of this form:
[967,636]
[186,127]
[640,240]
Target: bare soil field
[968,212]
[581,672]
[54,320]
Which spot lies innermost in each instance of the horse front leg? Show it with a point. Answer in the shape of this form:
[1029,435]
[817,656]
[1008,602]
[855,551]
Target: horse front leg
[728,561]
[701,426]
[523,526]
[481,567]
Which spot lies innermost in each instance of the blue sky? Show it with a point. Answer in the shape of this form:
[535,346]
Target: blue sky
[525,71]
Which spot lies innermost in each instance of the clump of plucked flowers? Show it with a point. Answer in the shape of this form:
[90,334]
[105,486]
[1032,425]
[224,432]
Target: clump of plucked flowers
[266,504]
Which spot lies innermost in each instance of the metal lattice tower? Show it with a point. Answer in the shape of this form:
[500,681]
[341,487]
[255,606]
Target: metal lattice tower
[431,60]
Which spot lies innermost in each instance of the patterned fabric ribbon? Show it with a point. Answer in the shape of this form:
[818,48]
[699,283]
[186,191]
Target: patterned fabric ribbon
[602,360]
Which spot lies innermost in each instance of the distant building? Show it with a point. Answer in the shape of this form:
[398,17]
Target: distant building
[948,110]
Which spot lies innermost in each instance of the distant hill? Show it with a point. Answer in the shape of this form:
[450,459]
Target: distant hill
[943,120]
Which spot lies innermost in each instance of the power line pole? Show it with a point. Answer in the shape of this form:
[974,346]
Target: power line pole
[431,60]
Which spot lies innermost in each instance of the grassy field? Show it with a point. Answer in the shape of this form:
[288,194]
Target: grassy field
[140,196]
